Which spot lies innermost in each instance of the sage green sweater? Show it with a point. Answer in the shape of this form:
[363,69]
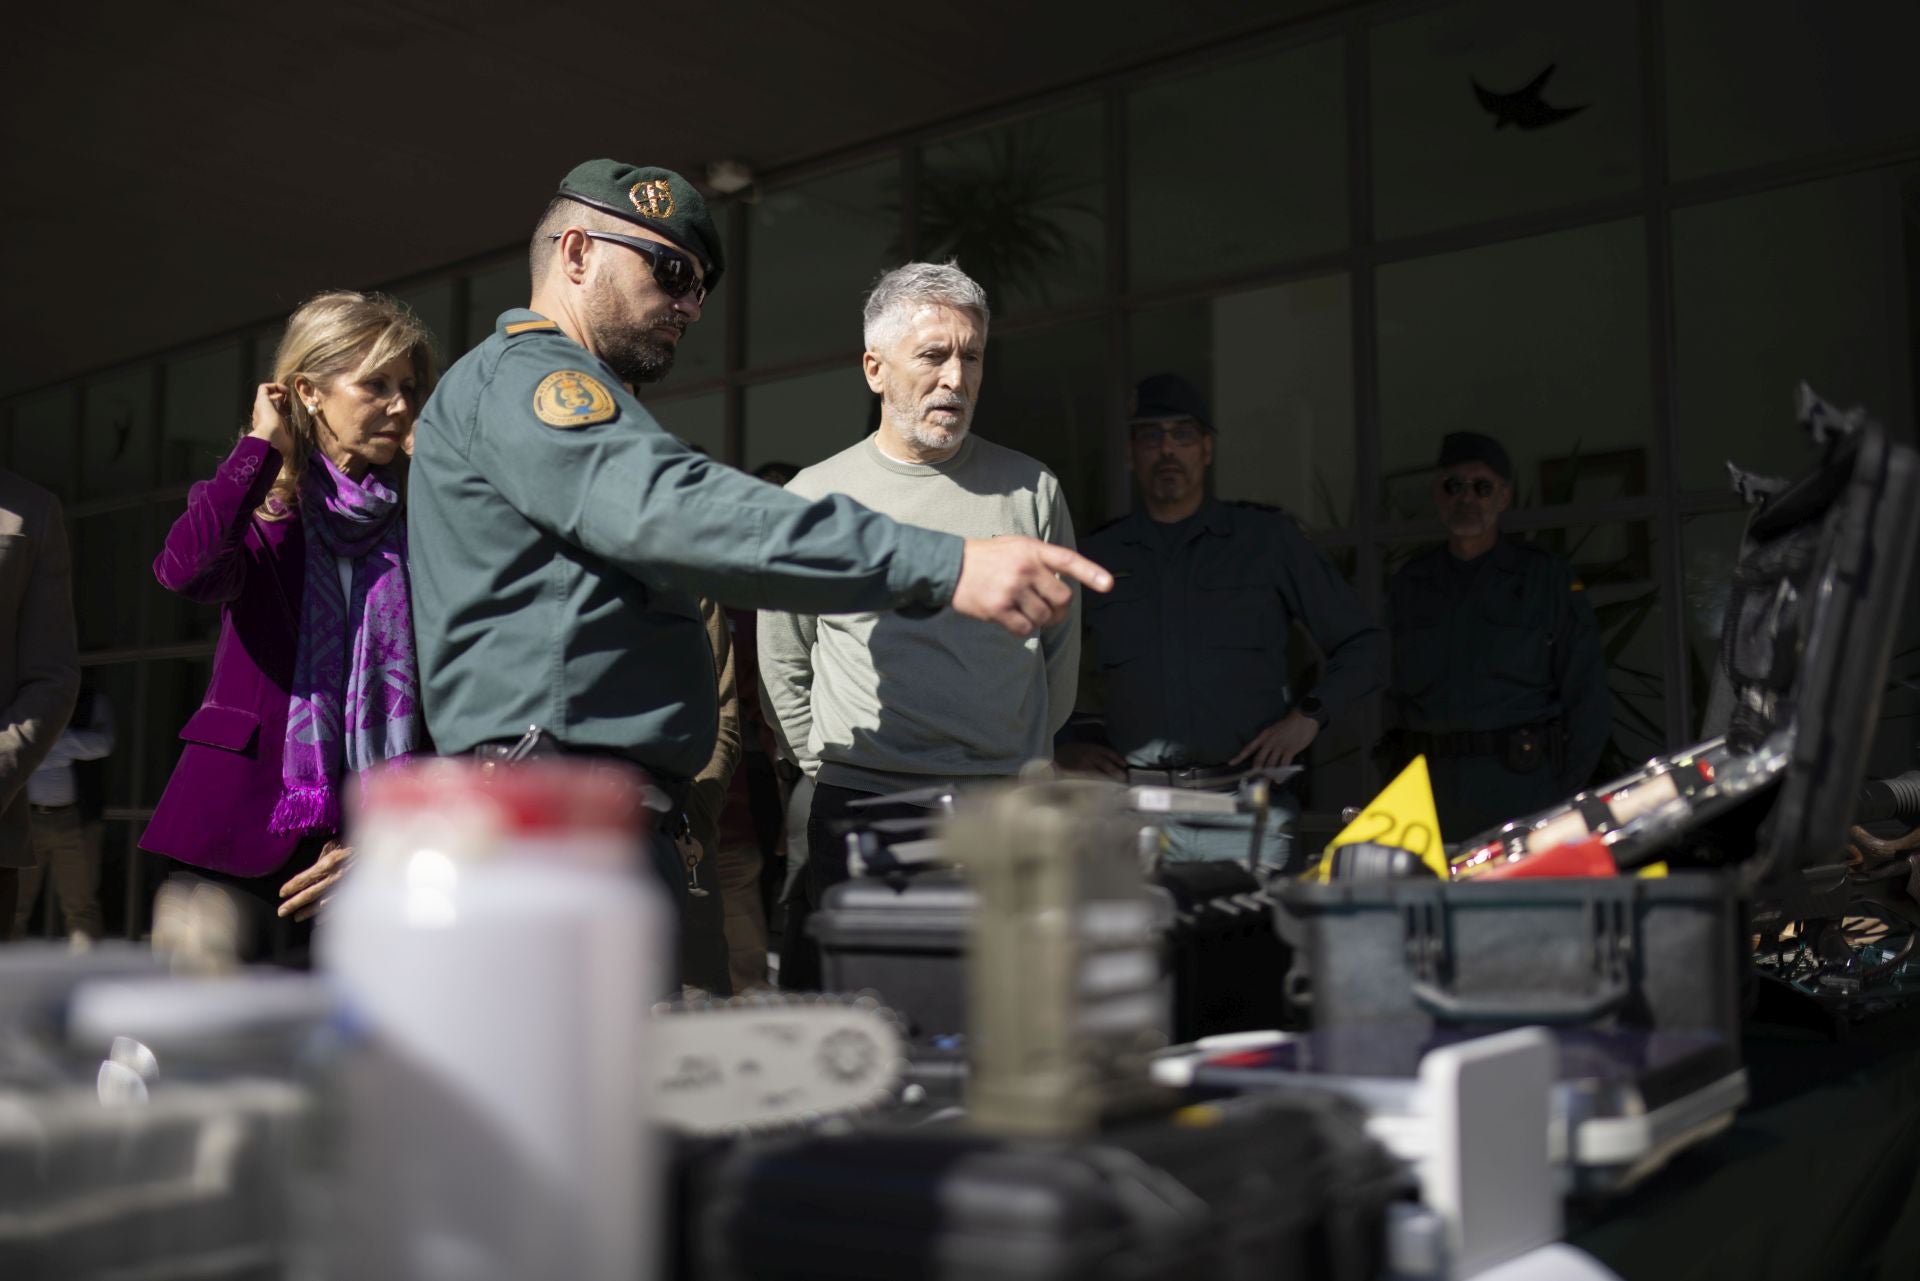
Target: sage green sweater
[879,702]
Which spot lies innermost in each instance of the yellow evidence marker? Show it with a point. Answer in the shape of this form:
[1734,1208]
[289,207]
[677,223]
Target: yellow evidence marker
[1402,815]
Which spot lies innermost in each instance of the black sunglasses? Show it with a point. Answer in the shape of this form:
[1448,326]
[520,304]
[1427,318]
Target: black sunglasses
[672,270]
[1452,485]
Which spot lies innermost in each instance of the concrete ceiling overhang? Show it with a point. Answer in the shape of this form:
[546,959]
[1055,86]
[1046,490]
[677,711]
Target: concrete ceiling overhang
[176,169]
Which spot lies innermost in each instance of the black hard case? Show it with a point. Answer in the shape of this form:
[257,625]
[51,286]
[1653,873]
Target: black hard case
[905,938]
[1269,1187]
[1617,952]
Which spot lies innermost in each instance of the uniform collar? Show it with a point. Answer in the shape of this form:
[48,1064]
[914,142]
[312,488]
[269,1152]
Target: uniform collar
[521,320]
[1212,518]
[1504,555]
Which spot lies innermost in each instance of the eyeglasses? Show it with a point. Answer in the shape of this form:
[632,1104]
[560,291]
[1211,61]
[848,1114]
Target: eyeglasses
[672,270]
[1453,485]
[1152,435]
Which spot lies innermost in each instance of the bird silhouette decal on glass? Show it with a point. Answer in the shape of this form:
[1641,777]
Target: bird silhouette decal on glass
[1524,108]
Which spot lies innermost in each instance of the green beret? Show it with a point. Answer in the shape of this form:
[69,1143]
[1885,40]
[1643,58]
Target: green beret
[658,199]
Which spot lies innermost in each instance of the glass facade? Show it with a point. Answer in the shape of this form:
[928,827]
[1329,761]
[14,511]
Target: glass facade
[1354,237]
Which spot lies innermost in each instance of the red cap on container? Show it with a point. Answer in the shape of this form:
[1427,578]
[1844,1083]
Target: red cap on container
[543,797]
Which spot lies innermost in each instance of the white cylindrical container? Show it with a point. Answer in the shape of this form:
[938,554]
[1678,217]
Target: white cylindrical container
[496,947]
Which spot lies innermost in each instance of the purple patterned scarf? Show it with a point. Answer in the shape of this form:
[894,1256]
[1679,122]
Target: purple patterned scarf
[356,685]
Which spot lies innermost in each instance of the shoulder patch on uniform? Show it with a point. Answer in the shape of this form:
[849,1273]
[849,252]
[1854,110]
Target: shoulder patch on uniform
[530,327]
[572,398]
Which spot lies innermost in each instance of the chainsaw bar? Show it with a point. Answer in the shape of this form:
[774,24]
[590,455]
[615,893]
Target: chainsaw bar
[768,1061]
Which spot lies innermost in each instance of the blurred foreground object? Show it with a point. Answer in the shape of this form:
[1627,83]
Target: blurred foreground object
[1066,999]
[496,951]
[765,1061]
[150,1126]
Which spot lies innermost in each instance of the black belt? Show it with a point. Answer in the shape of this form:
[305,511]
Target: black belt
[1476,742]
[51,809]
[1194,776]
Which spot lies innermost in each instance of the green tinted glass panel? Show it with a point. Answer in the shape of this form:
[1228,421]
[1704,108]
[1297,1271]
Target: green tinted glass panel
[1460,133]
[815,248]
[1541,343]
[1255,137]
[1021,207]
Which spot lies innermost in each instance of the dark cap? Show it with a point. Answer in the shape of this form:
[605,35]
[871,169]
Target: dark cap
[1165,396]
[1472,447]
[658,199]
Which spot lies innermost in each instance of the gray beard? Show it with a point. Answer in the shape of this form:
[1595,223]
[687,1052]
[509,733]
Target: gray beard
[923,435]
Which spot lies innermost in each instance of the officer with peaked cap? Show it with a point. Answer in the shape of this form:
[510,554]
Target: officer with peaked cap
[560,538]
[1189,650]
[1498,676]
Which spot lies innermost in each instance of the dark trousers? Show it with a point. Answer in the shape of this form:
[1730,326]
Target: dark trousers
[265,935]
[9,898]
[833,810]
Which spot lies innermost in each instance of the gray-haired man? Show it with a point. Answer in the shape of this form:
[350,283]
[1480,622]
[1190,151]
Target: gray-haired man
[877,703]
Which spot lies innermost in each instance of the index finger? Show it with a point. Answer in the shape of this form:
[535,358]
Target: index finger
[1064,560]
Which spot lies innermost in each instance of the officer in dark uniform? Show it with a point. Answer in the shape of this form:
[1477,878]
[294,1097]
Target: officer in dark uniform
[1498,676]
[1190,647]
[560,538]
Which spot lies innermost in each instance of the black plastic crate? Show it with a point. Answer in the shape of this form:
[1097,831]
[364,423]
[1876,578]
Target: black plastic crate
[1658,953]
[904,938]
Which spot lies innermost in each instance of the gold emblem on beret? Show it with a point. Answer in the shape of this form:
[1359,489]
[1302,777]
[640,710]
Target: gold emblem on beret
[571,399]
[653,197]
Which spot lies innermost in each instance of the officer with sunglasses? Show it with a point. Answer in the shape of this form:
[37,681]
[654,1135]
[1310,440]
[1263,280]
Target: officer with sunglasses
[1189,652]
[1498,676]
[560,539]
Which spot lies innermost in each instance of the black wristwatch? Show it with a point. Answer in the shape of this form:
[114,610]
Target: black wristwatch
[1312,706]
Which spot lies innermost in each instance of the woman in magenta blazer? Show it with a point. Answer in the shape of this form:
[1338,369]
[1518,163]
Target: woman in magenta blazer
[300,538]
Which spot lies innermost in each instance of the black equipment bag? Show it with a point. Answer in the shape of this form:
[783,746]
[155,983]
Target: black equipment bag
[1273,1186]
[1817,600]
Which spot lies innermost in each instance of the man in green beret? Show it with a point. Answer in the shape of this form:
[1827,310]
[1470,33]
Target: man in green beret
[560,539]
[1498,677]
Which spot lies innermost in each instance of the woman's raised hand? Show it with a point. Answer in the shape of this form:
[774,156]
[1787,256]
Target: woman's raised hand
[272,419]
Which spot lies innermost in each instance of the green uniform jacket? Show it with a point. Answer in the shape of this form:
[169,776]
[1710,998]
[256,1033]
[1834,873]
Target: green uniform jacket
[1511,642]
[1191,643]
[556,569]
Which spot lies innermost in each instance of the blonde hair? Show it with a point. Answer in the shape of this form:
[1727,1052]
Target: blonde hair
[330,336]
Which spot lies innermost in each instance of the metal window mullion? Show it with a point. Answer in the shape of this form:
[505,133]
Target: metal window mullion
[1363,316]
[733,395]
[1115,490]
[135,904]
[77,468]
[1903,372]
[460,338]
[909,201]
[1663,352]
